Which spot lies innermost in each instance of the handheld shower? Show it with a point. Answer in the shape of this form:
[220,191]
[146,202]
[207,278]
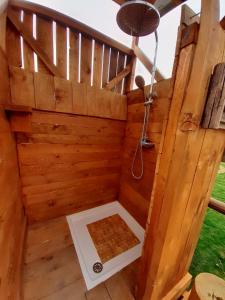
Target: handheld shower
[140,18]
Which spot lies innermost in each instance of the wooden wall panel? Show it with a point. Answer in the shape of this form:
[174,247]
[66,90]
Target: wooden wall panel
[69,163]
[43,91]
[135,194]
[12,220]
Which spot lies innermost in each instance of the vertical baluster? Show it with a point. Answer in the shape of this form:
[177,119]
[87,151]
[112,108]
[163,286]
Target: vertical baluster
[13,48]
[86,51]
[120,67]
[105,66]
[97,68]
[28,52]
[45,39]
[113,64]
[73,55]
[61,49]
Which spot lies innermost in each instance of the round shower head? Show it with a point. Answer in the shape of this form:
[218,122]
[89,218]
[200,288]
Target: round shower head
[138,18]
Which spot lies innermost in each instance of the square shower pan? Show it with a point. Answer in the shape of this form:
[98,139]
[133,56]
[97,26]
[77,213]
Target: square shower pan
[87,249]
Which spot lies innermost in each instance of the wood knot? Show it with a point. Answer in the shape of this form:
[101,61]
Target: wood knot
[189,122]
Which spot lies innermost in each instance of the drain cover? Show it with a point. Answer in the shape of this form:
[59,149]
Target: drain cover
[97,267]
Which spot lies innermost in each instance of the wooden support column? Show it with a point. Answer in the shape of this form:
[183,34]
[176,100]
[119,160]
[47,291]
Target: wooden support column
[186,166]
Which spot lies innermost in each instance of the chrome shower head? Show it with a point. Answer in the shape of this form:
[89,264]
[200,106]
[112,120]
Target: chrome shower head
[138,17]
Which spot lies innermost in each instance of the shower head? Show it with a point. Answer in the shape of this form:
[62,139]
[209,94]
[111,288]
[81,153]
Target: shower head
[138,18]
[140,82]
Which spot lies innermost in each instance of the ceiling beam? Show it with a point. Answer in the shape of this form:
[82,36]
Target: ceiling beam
[164,6]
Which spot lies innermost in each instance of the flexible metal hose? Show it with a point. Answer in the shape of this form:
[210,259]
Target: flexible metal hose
[147,105]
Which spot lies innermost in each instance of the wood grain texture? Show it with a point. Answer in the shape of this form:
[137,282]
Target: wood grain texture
[73,55]
[33,43]
[180,198]
[22,86]
[13,48]
[45,92]
[97,65]
[52,271]
[135,194]
[11,215]
[12,219]
[215,103]
[111,237]
[44,32]
[5,95]
[86,55]
[27,50]
[70,22]
[61,46]
[64,153]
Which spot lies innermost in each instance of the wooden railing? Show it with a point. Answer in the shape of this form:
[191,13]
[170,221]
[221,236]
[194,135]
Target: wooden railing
[216,205]
[40,39]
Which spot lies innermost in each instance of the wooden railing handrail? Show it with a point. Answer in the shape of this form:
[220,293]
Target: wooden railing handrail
[217,205]
[49,13]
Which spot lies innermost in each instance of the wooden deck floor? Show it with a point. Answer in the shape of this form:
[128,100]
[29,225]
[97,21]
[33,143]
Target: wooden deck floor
[52,272]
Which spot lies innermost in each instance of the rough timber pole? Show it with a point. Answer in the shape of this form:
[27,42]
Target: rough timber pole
[186,167]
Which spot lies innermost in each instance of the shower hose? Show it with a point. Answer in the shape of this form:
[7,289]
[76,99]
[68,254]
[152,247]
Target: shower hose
[147,105]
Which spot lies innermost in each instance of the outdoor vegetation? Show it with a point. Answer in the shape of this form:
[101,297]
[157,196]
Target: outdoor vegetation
[210,252]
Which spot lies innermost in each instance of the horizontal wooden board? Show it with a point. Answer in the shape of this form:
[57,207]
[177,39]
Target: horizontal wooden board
[46,92]
[68,163]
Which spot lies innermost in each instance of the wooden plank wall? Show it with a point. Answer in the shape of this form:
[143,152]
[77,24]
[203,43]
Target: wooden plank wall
[135,194]
[47,92]
[12,220]
[69,163]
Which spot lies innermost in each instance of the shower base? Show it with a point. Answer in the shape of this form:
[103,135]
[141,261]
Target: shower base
[106,238]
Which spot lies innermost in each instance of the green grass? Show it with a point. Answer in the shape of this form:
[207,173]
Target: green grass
[210,252]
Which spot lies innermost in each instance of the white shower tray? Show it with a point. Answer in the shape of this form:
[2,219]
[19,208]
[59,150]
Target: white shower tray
[85,248]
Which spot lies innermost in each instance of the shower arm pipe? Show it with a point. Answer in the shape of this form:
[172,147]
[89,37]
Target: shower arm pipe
[149,96]
[147,62]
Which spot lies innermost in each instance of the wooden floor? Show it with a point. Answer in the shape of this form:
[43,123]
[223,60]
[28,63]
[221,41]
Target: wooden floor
[52,272]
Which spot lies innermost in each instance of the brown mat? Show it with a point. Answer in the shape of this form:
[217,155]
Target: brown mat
[111,237]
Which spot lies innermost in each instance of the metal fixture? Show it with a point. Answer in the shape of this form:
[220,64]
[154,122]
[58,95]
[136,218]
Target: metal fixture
[140,18]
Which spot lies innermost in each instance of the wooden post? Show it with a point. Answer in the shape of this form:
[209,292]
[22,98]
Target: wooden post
[186,167]
[208,286]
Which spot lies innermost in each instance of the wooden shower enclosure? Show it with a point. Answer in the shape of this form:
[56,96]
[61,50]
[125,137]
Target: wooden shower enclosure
[69,125]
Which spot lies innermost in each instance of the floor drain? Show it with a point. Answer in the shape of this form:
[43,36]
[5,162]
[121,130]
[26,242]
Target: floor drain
[97,267]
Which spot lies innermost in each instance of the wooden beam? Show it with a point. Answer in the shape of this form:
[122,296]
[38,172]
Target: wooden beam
[179,288]
[147,63]
[188,16]
[132,60]
[51,14]
[3,5]
[164,6]
[217,205]
[34,44]
[215,103]
[222,23]
[122,1]
[189,35]
[119,77]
